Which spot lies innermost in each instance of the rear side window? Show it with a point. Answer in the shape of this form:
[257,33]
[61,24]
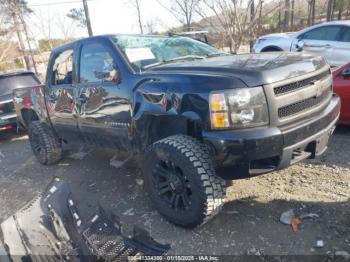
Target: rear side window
[8,83]
[325,33]
[62,71]
[97,65]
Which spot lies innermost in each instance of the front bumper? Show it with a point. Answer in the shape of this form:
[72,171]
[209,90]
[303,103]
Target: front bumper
[246,153]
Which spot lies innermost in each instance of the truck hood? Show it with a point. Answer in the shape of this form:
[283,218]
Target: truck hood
[252,69]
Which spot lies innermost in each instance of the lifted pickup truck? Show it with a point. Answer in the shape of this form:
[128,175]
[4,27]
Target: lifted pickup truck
[197,115]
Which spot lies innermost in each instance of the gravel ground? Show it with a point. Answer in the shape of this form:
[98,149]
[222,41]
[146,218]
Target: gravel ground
[248,224]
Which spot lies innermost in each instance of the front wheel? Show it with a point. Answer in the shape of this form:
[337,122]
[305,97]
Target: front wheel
[181,181]
[45,145]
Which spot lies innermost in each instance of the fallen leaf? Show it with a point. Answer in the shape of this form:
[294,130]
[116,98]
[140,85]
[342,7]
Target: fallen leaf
[295,224]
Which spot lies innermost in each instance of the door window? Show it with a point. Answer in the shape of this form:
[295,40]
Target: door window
[346,36]
[97,65]
[325,33]
[62,71]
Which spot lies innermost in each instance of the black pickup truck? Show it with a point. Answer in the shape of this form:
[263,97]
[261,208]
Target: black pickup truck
[198,116]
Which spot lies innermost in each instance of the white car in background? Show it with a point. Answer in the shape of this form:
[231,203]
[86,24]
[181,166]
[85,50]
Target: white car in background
[331,39]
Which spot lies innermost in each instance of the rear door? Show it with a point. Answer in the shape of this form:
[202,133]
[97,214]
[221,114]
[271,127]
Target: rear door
[103,102]
[60,98]
[341,50]
[322,40]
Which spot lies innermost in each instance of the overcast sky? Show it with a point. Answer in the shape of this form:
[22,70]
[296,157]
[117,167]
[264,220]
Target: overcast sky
[107,16]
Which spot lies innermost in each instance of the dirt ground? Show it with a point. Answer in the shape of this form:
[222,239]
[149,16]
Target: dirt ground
[248,224]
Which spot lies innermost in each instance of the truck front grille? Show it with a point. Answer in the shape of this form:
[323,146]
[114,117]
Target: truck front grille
[303,105]
[299,97]
[299,84]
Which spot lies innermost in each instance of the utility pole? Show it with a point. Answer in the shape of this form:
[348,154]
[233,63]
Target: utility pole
[87,16]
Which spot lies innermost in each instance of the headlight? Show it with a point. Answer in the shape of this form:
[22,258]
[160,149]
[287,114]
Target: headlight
[238,108]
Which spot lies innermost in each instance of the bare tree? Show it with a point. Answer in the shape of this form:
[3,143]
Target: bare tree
[137,4]
[292,13]
[65,26]
[43,23]
[233,18]
[330,10]
[183,10]
[16,10]
[286,13]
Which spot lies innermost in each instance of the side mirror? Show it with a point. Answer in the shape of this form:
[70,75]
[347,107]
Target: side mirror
[346,72]
[300,45]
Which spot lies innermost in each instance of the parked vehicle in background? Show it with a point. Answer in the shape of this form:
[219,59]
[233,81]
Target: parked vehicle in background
[9,82]
[341,85]
[196,115]
[331,40]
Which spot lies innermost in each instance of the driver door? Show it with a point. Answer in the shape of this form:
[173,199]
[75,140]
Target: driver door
[60,97]
[103,100]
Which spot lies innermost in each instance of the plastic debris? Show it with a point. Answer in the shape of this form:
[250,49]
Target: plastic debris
[129,212]
[286,217]
[139,181]
[309,215]
[319,243]
[344,254]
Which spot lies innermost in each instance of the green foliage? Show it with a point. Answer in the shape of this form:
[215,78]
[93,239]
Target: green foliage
[79,16]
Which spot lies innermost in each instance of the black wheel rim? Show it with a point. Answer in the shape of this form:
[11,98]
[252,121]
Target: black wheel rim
[172,186]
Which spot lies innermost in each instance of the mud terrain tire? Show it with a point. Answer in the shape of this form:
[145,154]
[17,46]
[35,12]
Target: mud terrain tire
[181,165]
[45,145]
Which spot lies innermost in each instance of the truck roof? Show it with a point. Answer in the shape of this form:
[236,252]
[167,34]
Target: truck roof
[16,73]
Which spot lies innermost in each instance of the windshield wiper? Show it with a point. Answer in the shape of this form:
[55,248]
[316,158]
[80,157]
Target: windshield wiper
[186,57]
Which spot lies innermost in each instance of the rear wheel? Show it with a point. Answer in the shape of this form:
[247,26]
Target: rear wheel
[44,144]
[181,181]
[272,49]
